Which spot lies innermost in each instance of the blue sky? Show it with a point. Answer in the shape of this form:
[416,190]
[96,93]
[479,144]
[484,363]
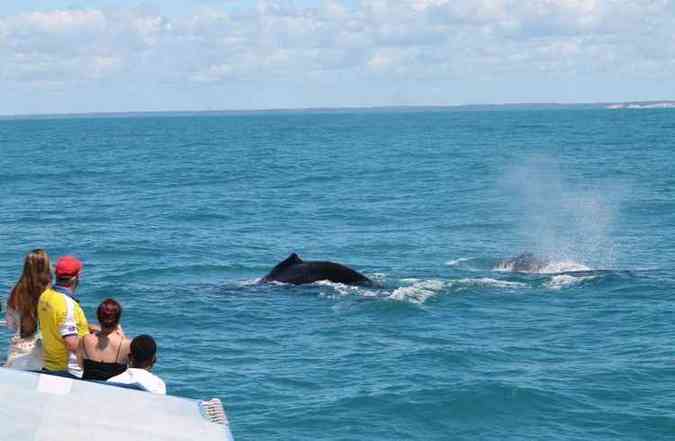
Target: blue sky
[124,55]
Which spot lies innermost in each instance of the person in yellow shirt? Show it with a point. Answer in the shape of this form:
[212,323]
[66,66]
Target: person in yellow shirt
[62,320]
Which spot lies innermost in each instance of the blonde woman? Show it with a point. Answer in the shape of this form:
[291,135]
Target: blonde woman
[21,314]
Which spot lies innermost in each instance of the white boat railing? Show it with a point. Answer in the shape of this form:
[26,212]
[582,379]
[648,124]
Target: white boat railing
[39,407]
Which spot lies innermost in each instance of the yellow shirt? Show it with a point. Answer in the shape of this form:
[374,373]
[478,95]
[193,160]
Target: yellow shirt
[59,316]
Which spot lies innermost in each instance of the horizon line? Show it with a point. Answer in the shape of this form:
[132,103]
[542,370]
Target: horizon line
[329,109]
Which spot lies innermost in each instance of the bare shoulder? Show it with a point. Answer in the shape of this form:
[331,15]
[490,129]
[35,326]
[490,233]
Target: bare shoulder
[89,341]
[125,349]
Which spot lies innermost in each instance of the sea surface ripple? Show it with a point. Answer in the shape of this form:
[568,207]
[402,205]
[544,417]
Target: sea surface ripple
[179,216]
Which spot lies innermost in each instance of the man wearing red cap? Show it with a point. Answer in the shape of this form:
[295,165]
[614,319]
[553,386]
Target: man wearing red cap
[62,321]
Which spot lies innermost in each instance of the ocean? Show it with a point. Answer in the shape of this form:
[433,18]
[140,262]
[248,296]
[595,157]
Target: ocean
[178,217]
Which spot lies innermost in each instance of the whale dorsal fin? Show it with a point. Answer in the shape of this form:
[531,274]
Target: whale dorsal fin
[291,260]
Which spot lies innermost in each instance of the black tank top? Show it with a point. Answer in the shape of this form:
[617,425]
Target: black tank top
[101,370]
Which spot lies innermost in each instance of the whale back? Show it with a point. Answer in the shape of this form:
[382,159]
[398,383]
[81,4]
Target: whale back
[334,272]
[523,263]
[297,271]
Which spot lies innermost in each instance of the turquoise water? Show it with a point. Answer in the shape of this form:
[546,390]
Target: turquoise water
[178,216]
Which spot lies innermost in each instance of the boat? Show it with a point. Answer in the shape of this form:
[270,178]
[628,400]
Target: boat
[42,407]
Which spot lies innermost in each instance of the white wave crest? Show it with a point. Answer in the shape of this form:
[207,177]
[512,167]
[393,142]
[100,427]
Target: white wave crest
[565,266]
[250,282]
[411,280]
[487,282]
[346,290]
[377,277]
[565,280]
[415,291]
[419,291]
[458,261]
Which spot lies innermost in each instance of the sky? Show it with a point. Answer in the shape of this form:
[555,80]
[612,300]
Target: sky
[124,55]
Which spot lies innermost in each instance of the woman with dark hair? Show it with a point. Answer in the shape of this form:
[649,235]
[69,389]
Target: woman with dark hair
[104,354]
[21,314]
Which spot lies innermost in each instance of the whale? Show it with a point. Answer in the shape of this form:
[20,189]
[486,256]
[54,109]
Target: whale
[296,271]
[523,263]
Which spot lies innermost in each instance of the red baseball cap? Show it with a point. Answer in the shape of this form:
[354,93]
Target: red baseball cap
[67,266]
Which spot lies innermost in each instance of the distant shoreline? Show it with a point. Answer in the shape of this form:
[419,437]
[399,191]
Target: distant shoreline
[665,104]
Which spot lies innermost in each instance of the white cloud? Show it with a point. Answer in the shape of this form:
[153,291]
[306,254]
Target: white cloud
[435,39]
[55,22]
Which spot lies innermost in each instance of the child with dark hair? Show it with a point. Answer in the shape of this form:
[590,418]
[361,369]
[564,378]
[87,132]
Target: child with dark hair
[141,360]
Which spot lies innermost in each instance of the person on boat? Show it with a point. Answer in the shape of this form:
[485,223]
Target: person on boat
[104,354]
[141,360]
[62,320]
[21,312]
